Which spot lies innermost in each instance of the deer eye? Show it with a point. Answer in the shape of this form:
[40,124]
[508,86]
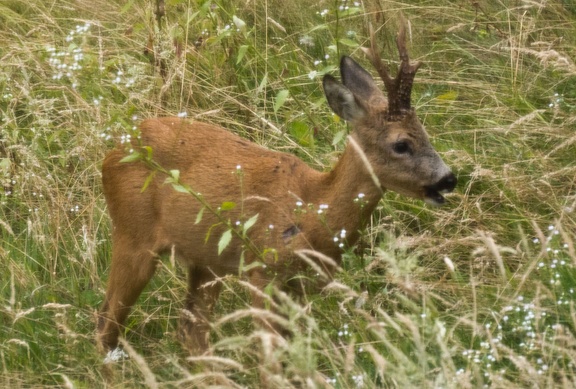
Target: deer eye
[401,147]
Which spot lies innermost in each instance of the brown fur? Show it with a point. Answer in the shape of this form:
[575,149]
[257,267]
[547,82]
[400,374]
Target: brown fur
[149,223]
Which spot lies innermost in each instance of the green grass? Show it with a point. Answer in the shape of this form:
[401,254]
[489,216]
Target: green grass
[478,293]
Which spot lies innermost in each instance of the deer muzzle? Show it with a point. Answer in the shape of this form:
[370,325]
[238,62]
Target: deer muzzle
[433,193]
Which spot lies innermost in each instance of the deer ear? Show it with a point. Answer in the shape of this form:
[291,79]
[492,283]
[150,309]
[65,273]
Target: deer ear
[342,101]
[357,79]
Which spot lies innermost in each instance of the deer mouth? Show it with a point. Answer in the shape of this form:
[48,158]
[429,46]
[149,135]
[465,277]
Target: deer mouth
[433,194]
[434,197]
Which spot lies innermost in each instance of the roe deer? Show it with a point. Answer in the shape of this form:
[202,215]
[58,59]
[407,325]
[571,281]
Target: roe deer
[388,149]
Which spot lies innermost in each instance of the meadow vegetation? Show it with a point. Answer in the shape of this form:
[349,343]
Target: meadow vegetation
[478,293]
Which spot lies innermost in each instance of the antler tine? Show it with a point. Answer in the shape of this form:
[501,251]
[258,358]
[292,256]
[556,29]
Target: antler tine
[381,68]
[406,73]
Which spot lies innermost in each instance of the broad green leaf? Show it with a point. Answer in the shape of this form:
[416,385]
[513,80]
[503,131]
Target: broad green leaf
[224,241]
[180,188]
[239,23]
[280,99]
[5,164]
[249,223]
[300,130]
[262,84]
[338,137]
[241,52]
[228,205]
[175,174]
[348,42]
[134,156]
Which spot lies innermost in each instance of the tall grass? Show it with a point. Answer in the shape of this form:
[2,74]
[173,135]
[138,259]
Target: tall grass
[478,293]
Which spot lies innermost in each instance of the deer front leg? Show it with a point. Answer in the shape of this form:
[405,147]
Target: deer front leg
[194,326]
[130,272]
[260,279]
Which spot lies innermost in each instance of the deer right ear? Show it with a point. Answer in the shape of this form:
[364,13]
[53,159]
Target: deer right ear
[342,100]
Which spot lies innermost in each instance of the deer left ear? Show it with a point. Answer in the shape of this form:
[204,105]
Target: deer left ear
[342,101]
[357,79]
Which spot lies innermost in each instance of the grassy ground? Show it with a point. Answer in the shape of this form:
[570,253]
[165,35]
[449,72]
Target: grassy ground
[479,293]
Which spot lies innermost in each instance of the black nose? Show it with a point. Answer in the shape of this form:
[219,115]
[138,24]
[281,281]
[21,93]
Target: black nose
[447,183]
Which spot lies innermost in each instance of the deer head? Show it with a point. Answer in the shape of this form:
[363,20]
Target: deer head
[390,134]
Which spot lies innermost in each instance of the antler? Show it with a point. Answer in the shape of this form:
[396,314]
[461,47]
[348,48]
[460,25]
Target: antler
[399,89]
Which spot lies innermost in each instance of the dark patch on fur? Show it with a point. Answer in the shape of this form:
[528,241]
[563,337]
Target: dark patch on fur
[290,232]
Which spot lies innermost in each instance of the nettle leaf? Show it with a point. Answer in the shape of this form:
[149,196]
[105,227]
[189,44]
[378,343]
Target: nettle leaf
[249,223]
[224,241]
[281,99]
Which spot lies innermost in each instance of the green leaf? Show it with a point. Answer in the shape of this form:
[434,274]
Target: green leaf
[280,99]
[300,130]
[180,188]
[199,215]
[262,84]
[148,180]
[228,205]
[241,52]
[348,42]
[148,152]
[239,23]
[132,157]
[338,137]
[249,223]
[175,174]
[224,241]
[5,164]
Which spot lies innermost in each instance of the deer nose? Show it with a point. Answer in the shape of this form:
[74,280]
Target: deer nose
[447,183]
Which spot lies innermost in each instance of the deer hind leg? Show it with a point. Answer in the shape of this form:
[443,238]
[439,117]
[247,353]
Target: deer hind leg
[130,272]
[203,292]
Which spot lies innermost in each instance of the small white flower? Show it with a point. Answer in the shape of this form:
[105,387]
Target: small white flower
[306,40]
[115,355]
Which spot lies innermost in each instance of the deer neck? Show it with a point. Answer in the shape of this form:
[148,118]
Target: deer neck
[351,193]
